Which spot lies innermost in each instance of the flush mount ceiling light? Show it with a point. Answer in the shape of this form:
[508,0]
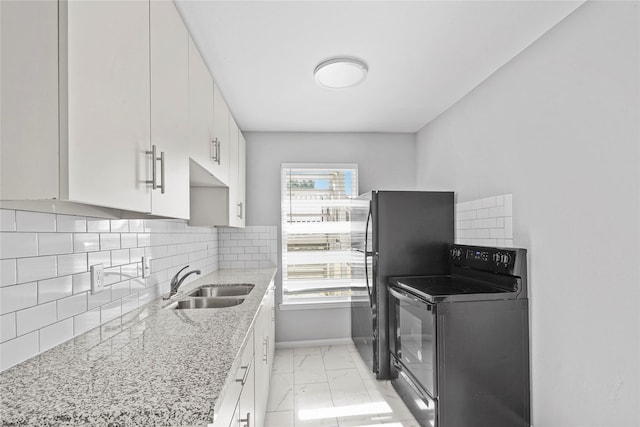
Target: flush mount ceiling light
[339,73]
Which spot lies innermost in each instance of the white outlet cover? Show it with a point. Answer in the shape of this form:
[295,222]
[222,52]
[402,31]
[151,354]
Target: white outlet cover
[97,278]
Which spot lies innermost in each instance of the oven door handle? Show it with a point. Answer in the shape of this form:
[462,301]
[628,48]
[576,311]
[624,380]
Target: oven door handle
[403,296]
[409,380]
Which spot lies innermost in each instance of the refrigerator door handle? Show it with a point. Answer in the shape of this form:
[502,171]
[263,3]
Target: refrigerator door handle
[366,255]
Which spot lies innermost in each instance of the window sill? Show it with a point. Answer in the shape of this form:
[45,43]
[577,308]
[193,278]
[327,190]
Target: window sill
[314,305]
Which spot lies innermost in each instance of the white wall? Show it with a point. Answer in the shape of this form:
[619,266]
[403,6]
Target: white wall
[385,162]
[559,128]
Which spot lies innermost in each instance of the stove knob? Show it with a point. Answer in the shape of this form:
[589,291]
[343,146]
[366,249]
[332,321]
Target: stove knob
[505,259]
[497,257]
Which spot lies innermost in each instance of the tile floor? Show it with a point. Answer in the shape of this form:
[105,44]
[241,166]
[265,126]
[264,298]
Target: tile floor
[330,386]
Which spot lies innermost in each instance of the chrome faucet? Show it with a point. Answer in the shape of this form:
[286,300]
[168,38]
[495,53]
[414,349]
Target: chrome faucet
[176,282]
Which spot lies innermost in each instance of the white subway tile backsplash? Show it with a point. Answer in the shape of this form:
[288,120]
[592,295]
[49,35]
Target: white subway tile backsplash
[110,311]
[53,289]
[129,240]
[37,268]
[101,298]
[71,224]
[111,275]
[55,243]
[508,227]
[16,350]
[109,241]
[18,245]
[508,205]
[485,222]
[35,221]
[7,327]
[7,220]
[482,213]
[86,321]
[119,226]
[45,289]
[98,225]
[496,212]
[129,303]
[120,257]
[55,334]
[103,258]
[120,290]
[70,306]
[81,282]
[8,275]
[71,264]
[86,242]
[36,317]
[136,225]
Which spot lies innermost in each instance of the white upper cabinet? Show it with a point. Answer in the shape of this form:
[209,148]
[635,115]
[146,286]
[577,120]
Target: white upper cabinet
[79,128]
[90,91]
[235,208]
[200,109]
[221,137]
[106,140]
[170,110]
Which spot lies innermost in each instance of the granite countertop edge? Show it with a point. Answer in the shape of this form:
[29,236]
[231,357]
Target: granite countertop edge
[150,366]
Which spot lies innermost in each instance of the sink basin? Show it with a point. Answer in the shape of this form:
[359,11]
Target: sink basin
[208,302]
[222,291]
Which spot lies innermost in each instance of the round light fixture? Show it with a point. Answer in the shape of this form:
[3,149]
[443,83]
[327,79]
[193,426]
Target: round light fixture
[339,73]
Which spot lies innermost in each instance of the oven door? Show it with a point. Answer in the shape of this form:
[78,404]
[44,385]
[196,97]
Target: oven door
[412,329]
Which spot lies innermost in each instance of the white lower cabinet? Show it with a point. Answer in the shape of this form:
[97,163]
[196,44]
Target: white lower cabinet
[244,401]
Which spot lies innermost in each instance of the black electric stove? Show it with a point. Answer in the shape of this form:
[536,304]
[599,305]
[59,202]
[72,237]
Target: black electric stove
[460,342]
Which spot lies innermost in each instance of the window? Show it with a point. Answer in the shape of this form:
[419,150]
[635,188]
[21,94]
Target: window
[316,232]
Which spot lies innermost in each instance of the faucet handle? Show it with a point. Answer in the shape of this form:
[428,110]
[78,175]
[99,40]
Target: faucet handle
[181,270]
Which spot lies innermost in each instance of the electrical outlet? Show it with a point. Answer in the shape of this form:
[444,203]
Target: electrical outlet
[146,266]
[97,278]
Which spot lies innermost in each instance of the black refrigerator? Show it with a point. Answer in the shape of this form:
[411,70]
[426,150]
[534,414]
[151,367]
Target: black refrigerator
[393,233]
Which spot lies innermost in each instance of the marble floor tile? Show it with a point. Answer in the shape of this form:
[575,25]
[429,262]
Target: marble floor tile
[283,361]
[279,419]
[280,392]
[308,368]
[347,388]
[338,360]
[330,386]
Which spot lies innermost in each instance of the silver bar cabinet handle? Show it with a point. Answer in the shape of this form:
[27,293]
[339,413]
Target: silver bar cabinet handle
[240,210]
[247,420]
[218,151]
[153,167]
[246,374]
[162,172]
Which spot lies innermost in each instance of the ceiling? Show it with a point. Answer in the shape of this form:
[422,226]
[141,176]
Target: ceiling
[423,56]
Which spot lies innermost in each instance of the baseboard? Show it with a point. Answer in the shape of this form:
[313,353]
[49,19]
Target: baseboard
[313,343]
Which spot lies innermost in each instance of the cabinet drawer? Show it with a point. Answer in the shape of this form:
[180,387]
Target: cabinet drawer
[226,404]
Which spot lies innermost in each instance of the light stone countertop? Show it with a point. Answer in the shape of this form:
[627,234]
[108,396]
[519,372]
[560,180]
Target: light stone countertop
[151,366]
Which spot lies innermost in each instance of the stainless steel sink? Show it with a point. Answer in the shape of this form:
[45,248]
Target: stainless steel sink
[222,291]
[206,302]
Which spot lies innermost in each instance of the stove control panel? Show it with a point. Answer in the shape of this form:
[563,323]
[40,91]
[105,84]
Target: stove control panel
[496,260]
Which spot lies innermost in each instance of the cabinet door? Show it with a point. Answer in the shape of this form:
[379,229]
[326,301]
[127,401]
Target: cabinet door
[170,109]
[200,109]
[242,179]
[235,209]
[29,101]
[221,166]
[246,403]
[104,149]
[265,351]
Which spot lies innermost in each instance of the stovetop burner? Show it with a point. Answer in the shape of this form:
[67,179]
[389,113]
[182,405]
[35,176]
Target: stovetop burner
[478,273]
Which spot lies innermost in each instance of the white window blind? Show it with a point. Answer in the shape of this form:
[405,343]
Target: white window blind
[316,232]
